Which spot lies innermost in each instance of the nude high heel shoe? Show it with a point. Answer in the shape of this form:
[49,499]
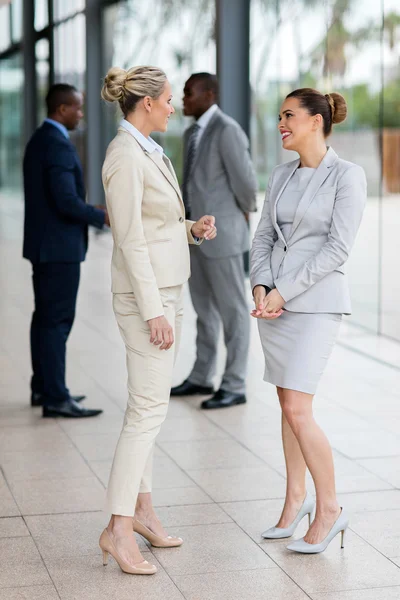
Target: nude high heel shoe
[156,540]
[279,533]
[108,547]
[340,526]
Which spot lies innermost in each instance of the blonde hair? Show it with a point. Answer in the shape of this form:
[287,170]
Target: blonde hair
[128,87]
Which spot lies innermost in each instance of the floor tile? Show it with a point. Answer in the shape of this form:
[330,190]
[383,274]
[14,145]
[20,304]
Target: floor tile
[44,464]
[92,581]
[39,496]
[372,501]
[381,529]
[8,507]
[387,468]
[241,585]
[21,564]
[195,514]
[39,592]
[357,566]
[359,445]
[96,446]
[213,549]
[190,429]
[177,496]
[384,593]
[69,535]
[252,483]
[13,527]
[213,454]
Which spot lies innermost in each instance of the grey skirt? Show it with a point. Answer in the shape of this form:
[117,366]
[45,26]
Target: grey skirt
[297,347]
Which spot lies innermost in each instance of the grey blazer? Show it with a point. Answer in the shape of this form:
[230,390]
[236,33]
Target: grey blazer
[308,269]
[223,183]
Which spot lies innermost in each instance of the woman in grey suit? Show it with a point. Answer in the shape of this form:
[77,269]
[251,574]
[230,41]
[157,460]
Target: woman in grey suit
[311,215]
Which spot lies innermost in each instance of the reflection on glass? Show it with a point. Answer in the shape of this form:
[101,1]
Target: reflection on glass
[70,65]
[176,36]
[41,14]
[11,113]
[390,260]
[16,16]
[5,34]
[63,9]
[332,46]
[42,53]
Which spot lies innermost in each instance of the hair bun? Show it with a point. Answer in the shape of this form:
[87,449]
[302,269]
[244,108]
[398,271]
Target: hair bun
[338,107]
[114,84]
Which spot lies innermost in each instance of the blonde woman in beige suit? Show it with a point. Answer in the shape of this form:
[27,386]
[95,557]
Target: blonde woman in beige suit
[150,264]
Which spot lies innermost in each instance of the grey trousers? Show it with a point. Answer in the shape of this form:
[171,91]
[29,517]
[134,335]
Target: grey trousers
[218,295]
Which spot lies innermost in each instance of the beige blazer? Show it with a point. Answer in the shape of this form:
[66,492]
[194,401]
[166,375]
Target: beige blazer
[148,224]
[308,268]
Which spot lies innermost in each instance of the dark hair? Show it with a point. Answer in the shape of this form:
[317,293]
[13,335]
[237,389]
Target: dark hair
[209,81]
[58,94]
[332,107]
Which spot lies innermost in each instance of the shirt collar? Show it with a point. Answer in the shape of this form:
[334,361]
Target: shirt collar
[147,142]
[59,126]
[205,118]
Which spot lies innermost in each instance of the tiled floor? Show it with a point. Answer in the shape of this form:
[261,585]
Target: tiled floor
[219,476]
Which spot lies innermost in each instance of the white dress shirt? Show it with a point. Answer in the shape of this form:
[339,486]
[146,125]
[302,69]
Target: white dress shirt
[204,120]
[147,142]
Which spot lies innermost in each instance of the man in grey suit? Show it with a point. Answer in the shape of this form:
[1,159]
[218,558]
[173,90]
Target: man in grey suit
[218,177]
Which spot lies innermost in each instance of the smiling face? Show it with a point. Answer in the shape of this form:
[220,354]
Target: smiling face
[161,109]
[296,126]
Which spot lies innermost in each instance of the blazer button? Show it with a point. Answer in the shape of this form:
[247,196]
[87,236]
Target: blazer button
[181,219]
[285,248]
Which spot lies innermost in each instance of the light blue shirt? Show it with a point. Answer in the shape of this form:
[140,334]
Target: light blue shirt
[147,142]
[59,126]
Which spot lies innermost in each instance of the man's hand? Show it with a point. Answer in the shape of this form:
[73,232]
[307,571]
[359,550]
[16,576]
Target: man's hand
[205,228]
[106,217]
[260,301]
[161,333]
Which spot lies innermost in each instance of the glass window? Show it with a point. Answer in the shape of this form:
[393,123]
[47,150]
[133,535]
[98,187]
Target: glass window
[331,46]
[41,14]
[5,33]
[11,119]
[176,36]
[63,9]
[42,53]
[390,209]
[16,16]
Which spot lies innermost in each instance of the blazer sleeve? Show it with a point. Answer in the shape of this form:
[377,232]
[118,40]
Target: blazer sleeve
[235,155]
[351,197]
[263,243]
[62,185]
[124,187]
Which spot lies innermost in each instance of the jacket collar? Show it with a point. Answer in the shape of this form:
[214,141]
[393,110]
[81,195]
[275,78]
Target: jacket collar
[321,173]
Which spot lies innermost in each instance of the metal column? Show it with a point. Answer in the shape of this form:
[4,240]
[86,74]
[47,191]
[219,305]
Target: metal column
[28,51]
[233,50]
[93,112]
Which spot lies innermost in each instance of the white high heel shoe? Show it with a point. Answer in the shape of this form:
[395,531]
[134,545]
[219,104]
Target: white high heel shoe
[279,533]
[340,526]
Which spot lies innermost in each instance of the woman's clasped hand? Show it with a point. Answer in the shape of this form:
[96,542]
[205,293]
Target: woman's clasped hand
[267,306]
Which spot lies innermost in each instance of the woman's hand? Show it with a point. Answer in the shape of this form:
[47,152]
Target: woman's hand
[161,333]
[274,302]
[260,301]
[205,228]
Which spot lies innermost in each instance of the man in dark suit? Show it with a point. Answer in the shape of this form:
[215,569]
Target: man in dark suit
[218,179]
[55,241]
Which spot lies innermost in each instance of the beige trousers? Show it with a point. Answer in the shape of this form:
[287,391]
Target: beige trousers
[149,385]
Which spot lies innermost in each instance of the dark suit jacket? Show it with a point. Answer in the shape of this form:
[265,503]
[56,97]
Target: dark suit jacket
[56,215]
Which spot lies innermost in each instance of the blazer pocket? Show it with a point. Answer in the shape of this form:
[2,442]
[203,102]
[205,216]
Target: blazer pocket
[158,241]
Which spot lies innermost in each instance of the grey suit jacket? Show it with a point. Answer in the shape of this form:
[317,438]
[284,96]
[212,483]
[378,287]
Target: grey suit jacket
[223,183]
[308,269]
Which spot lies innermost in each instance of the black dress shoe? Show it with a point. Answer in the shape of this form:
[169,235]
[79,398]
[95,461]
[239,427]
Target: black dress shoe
[223,399]
[190,389]
[70,409]
[37,399]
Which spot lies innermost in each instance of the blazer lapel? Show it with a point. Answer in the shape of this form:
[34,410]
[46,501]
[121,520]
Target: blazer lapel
[287,176]
[165,166]
[317,180]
